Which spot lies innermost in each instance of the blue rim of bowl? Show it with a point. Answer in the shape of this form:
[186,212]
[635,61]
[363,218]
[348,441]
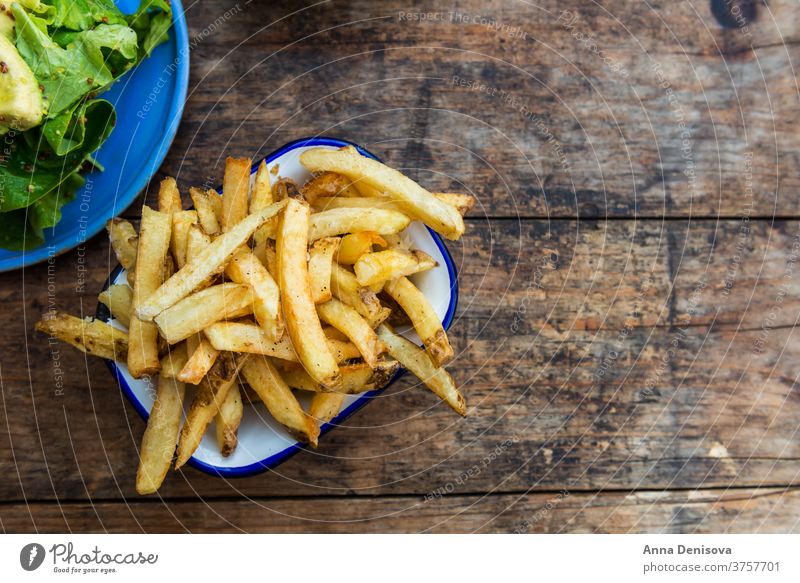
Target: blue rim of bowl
[275,460]
[159,152]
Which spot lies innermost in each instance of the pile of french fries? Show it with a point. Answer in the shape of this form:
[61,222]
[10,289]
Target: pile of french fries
[268,289]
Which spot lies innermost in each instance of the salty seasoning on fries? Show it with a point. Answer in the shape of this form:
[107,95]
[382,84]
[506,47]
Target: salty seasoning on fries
[268,290]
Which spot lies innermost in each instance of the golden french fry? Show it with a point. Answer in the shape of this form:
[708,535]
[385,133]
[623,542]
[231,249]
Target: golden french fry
[260,198]
[206,211]
[210,395]
[286,188]
[265,380]
[344,287]
[235,191]
[462,203]
[182,222]
[326,184]
[423,318]
[173,362]
[118,299]
[207,262]
[355,245]
[350,220]
[245,268]
[348,321]
[440,216]
[251,339]
[300,317]
[356,378]
[161,434]
[320,262]
[380,266]
[201,309]
[202,356]
[325,406]
[90,336]
[228,420]
[124,242]
[152,252]
[420,363]
[169,198]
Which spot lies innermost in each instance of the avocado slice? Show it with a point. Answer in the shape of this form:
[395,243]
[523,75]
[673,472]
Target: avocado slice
[21,102]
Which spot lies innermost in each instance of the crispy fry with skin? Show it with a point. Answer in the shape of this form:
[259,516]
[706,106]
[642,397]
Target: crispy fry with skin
[320,262]
[300,316]
[201,359]
[326,184]
[344,287]
[235,192]
[118,299]
[169,198]
[207,262]
[153,247]
[206,212]
[276,395]
[210,395]
[381,266]
[350,220]
[246,269]
[182,221]
[90,336]
[124,242]
[260,198]
[438,215]
[228,420]
[201,309]
[354,245]
[356,378]
[423,318]
[325,406]
[462,203]
[251,339]
[351,324]
[161,434]
[420,363]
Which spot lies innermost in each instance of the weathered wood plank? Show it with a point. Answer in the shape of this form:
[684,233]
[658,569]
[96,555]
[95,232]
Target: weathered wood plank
[591,380]
[627,111]
[759,510]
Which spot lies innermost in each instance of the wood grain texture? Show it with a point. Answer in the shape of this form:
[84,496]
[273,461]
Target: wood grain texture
[628,309]
[760,510]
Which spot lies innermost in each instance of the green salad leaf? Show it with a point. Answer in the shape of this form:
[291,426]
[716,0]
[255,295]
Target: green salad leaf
[75,49]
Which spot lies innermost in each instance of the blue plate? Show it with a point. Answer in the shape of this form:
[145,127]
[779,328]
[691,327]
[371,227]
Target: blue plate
[149,102]
[263,443]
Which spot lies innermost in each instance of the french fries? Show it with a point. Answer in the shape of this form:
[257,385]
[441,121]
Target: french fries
[300,317]
[356,378]
[320,263]
[351,220]
[211,393]
[381,266]
[90,336]
[228,420]
[351,324]
[235,192]
[354,245]
[265,380]
[421,364]
[246,269]
[198,311]
[124,242]
[438,215]
[207,262]
[233,296]
[150,258]
[118,299]
[161,434]
[423,318]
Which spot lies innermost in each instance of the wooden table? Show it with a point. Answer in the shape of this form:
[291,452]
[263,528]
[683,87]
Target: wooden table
[630,286]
